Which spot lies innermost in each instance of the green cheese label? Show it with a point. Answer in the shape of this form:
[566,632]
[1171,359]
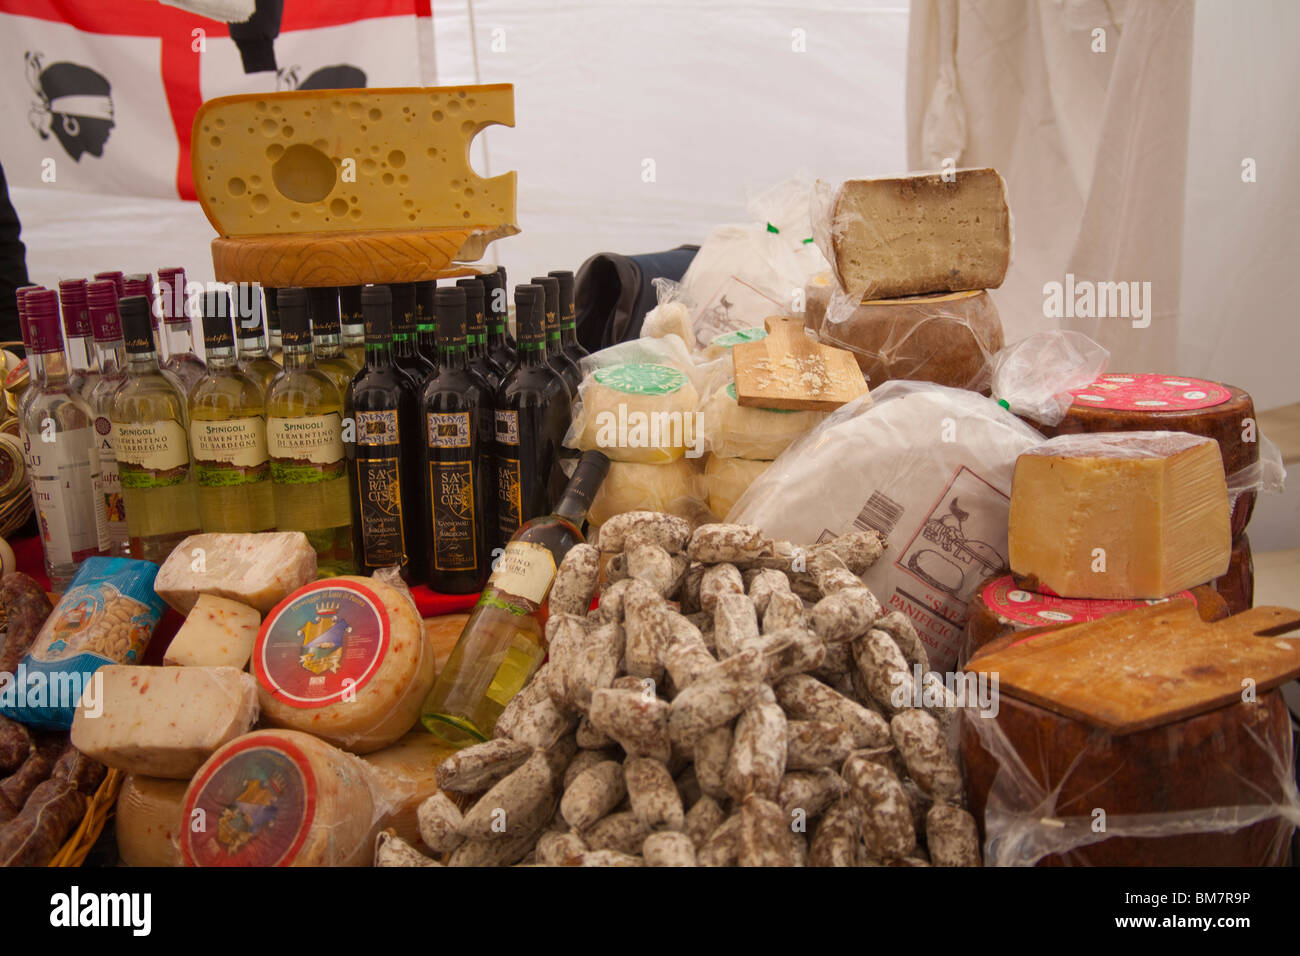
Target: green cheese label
[731,391]
[729,339]
[641,379]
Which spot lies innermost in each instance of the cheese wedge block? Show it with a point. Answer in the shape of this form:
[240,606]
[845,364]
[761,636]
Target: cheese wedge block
[163,721]
[920,234]
[1119,515]
[254,569]
[148,820]
[412,760]
[216,633]
[346,660]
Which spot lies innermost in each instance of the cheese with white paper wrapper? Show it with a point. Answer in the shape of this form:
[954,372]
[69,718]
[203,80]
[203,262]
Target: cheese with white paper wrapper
[148,820]
[163,721]
[636,412]
[216,633]
[736,431]
[344,659]
[1119,515]
[253,569]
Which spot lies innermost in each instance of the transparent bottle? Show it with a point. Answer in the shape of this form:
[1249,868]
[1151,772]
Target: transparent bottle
[274,347]
[141,283]
[59,441]
[323,305]
[106,326]
[151,441]
[354,324]
[18,381]
[304,435]
[228,434]
[253,358]
[177,331]
[78,342]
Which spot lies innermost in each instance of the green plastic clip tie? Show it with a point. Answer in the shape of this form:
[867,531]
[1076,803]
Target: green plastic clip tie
[1004,403]
[772,228]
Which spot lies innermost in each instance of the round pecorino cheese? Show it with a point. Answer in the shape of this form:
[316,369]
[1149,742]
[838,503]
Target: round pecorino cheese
[344,659]
[1238,586]
[1122,402]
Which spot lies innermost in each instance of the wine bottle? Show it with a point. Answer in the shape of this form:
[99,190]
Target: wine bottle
[496,308]
[253,359]
[532,417]
[456,411]
[354,325]
[326,332]
[83,371]
[118,280]
[61,456]
[426,321]
[406,354]
[380,402]
[228,433]
[480,359]
[502,644]
[141,283]
[568,318]
[150,439]
[274,345]
[181,360]
[555,357]
[106,327]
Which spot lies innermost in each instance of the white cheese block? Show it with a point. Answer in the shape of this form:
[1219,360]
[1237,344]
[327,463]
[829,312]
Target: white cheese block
[162,721]
[217,633]
[728,479]
[637,412]
[413,760]
[254,569]
[736,431]
[344,659]
[148,820]
[281,798]
[666,488]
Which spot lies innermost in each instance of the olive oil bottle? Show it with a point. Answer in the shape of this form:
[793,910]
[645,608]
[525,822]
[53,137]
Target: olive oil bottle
[228,433]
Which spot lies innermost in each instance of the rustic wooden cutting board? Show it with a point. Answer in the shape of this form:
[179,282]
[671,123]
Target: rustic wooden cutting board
[789,370]
[1150,666]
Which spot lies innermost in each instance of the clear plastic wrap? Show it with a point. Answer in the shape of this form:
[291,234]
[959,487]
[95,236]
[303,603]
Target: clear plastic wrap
[672,316]
[727,480]
[254,569]
[1035,375]
[1152,444]
[675,487]
[413,760]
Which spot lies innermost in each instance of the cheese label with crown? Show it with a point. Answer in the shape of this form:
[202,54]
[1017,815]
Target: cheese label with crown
[322,644]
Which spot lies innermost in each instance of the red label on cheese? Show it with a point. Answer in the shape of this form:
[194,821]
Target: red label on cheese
[321,644]
[1150,393]
[254,807]
[1037,610]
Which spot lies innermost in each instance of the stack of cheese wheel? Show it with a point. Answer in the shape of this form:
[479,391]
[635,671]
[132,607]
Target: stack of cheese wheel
[644,417]
[1122,402]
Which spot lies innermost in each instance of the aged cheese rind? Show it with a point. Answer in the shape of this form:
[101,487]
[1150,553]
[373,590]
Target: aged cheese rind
[164,721]
[148,819]
[255,569]
[1119,515]
[1237,586]
[920,234]
[218,632]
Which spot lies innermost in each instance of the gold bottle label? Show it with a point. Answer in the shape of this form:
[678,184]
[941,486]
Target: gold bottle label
[525,570]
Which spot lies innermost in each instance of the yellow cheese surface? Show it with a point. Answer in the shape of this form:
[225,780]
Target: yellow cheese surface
[313,161]
[217,633]
[148,820]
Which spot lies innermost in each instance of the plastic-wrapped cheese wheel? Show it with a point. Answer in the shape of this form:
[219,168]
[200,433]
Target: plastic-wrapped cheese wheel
[344,659]
[414,760]
[1238,585]
[631,486]
[724,343]
[637,412]
[736,431]
[281,798]
[727,479]
[148,820]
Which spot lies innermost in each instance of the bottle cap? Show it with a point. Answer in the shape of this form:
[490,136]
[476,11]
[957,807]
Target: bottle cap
[474,316]
[272,309]
[450,306]
[295,326]
[565,278]
[323,306]
[350,304]
[43,322]
[76,313]
[116,278]
[493,304]
[377,308]
[552,287]
[136,328]
[171,291]
[247,305]
[105,323]
[216,321]
[425,305]
[581,490]
[530,321]
[403,307]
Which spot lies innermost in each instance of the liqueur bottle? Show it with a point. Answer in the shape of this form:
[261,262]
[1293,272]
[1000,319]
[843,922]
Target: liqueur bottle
[181,360]
[118,280]
[253,360]
[59,443]
[354,324]
[406,355]
[532,416]
[568,317]
[228,433]
[502,644]
[426,321]
[381,403]
[18,380]
[83,371]
[456,410]
[555,356]
[106,326]
[150,440]
[480,359]
[496,308]
[304,438]
[326,336]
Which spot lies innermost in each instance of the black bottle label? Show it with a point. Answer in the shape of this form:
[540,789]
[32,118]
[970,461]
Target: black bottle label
[509,492]
[379,488]
[451,483]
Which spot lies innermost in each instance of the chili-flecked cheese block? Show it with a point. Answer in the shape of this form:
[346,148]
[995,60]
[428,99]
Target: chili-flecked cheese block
[1121,402]
[216,633]
[637,412]
[413,760]
[920,234]
[344,659]
[163,721]
[1119,515]
[1002,613]
[1238,586]
[729,478]
[254,569]
[281,798]
[148,820]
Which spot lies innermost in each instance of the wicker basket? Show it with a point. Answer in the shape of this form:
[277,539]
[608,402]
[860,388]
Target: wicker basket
[98,810]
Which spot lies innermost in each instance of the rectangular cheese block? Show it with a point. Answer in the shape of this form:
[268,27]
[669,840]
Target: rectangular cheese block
[259,570]
[919,234]
[1135,515]
[162,721]
[148,819]
[218,632]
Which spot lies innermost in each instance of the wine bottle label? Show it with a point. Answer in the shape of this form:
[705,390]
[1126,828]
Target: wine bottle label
[379,488]
[449,429]
[151,454]
[509,496]
[377,428]
[526,570]
[306,449]
[110,487]
[230,452]
[507,431]
[451,485]
[64,474]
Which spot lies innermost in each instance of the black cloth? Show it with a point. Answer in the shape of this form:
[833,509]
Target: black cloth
[255,37]
[13,264]
[612,293]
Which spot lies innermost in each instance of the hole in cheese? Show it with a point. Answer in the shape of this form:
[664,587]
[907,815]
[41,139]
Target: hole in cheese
[303,174]
[236,186]
[396,159]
